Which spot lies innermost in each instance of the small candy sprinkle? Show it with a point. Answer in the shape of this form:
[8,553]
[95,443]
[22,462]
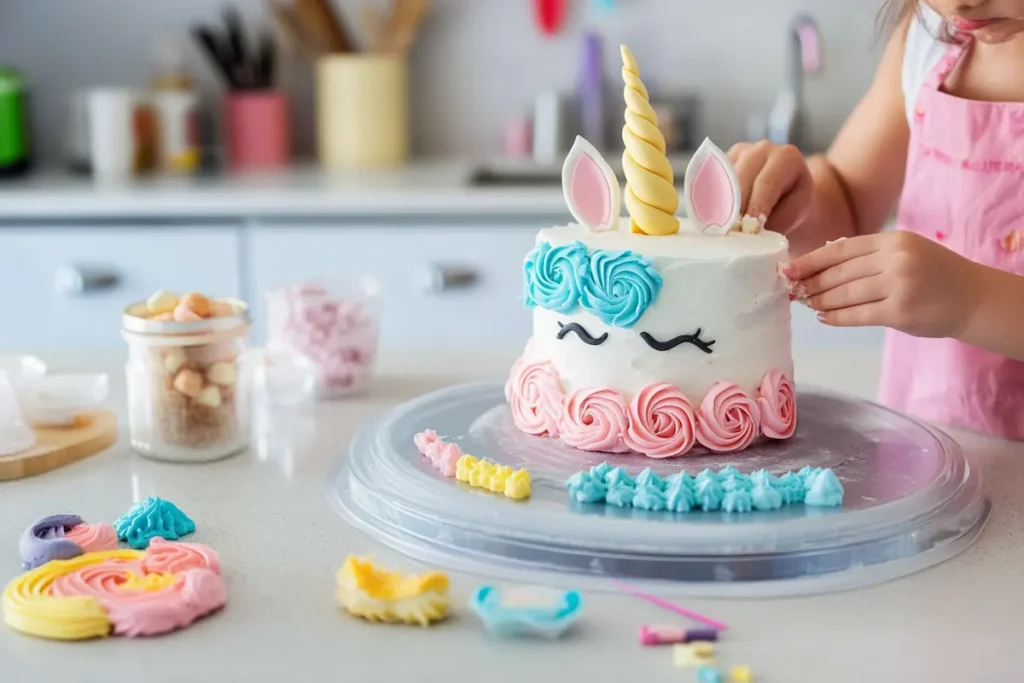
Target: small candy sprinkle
[707,674]
[741,674]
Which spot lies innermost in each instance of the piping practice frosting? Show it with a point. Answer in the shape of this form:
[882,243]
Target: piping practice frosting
[152,518]
[727,490]
[62,537]
[123,592]
[375,595]
[450,461]
[526,611]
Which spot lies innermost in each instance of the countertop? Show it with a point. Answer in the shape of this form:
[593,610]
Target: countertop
[441,188]
[281,543]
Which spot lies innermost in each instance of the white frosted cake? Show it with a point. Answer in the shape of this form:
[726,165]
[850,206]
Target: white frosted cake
[655,334]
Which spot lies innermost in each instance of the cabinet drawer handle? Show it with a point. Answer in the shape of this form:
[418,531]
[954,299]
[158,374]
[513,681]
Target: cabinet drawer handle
[436,279]
[73,280]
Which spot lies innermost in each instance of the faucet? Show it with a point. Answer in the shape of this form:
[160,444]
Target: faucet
[786,122]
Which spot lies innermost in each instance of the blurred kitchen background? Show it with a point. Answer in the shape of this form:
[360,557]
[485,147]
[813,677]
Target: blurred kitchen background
[235,149]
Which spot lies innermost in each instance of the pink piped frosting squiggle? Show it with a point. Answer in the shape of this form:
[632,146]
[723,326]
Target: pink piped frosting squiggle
[595,420]
[425,438]
[535,396]
[777,402]
[443,455]
[165,557]
[661,422]
[92,538]
[728,420]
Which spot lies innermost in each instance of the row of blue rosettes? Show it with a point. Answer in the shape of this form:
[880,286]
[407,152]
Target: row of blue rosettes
[616,286]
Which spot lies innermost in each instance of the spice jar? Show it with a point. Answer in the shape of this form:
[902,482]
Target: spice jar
[188,393]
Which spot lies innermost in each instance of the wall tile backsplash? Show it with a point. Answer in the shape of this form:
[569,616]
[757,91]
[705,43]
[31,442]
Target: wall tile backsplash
[477,62]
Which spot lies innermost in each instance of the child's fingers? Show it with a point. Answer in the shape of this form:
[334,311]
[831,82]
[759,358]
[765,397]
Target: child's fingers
[865,315]
[749,163]
[792,209]
[841,274]
[781,171]
[831,255]
[863,291]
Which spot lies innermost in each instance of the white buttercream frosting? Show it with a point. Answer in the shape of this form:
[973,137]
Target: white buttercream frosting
[725,285]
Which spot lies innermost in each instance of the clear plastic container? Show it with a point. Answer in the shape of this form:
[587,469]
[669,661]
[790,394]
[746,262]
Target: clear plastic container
[22,371]
[15,435]
[335,324]
[188,385]
[64,400]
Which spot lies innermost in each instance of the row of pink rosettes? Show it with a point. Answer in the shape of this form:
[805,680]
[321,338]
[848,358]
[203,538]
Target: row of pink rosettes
[658,422]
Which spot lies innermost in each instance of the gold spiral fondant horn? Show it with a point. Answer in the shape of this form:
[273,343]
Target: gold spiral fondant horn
[651,196]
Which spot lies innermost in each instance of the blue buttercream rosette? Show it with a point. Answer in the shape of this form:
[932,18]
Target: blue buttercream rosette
[620,286]
[553,276]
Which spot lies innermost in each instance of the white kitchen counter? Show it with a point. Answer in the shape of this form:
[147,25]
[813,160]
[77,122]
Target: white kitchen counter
[281,543]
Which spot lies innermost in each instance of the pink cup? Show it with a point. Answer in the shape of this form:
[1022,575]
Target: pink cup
[257,129]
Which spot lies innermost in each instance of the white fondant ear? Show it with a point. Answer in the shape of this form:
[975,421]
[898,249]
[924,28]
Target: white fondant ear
[591,189]
[711,192]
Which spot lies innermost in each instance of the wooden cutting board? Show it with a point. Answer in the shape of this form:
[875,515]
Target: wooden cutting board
[59,446]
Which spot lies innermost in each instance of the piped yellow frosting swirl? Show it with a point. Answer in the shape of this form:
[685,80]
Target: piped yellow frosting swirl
[28,606]
[651,197]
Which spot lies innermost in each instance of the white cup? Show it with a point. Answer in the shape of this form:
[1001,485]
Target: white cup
[114,142]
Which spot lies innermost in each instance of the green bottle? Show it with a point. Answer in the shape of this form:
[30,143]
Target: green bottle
[14,135]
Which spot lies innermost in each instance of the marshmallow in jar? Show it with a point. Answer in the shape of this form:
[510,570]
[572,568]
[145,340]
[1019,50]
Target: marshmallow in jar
[188,397]
[337,331]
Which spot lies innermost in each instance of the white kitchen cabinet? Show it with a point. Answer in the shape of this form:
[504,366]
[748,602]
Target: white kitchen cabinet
[66,286]
[440,286]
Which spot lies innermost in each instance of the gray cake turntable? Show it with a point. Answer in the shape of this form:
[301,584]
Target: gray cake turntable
[912,501]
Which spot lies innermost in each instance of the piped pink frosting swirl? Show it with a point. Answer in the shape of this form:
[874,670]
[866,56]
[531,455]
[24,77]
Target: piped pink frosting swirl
[165,557]
[140,612]
[93,538]
[777,402]
[728,419]
[535,396]
[425,438]
[448,459]
[661,422]
[595,420]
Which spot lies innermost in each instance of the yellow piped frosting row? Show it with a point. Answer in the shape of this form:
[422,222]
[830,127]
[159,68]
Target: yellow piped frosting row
[651,197]
[515,484]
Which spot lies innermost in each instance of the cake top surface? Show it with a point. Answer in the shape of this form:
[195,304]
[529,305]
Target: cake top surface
[687,243]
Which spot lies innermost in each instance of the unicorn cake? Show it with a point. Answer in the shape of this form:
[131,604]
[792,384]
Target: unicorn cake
[655,334]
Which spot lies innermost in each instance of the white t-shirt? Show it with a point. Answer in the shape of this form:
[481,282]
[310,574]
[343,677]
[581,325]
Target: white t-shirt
[923,51]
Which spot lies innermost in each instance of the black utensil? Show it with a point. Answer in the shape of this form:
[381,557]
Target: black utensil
[217,53]
[267,60]
[239,52]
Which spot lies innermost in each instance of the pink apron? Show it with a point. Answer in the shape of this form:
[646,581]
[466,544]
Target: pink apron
[965,189]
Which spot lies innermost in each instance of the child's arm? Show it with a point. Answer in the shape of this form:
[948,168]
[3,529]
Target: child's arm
[853,188]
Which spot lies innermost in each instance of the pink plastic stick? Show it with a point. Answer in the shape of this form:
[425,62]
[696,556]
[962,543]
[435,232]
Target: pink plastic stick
[671,607]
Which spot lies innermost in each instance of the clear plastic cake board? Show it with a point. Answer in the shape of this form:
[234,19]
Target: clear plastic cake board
[911,502]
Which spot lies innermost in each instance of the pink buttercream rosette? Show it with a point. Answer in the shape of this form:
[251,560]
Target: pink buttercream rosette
[777,402]
[535,397]
[728,420]
[595,420]
[661,422]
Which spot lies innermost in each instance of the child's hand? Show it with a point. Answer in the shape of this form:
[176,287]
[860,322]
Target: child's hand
[775,183]
[896,279]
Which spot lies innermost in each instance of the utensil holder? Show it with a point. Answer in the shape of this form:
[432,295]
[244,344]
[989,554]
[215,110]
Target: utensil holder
[362,111]
[257,130]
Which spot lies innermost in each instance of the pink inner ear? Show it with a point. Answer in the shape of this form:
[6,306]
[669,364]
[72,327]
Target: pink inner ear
[589,191]
[712,193]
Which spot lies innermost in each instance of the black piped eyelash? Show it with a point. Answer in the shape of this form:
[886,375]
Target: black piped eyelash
[694,339]
[582,333]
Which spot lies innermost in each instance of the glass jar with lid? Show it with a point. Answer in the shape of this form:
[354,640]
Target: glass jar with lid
[188,389]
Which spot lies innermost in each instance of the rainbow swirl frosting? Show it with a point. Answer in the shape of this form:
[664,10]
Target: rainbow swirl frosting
[121,592]
[62,537]
[651,197]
